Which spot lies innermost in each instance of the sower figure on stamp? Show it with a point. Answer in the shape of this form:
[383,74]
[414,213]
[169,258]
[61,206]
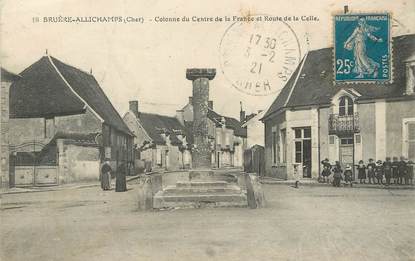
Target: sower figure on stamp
[106,175]
[364,65]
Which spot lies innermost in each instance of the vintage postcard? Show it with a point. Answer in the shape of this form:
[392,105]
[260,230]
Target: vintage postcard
[207,130]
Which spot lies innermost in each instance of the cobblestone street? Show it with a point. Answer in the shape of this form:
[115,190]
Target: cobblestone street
[309,223]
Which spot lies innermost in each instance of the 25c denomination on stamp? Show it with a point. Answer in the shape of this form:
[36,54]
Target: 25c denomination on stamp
[362,48]
[259,57]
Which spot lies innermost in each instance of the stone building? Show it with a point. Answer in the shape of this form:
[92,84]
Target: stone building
[160,140]
[7,78]
[312,118]
[63,125]
[226,136]
[254,129]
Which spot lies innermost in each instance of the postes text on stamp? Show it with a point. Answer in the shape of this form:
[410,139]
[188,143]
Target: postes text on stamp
[362,48]
[258,57]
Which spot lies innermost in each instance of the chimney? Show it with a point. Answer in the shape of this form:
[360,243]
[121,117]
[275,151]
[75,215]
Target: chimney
[180,116]
[210,105]
[134,108]
[241,114]
[191,100]
[346,9]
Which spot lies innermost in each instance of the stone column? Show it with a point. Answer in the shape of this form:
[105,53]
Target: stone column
[201,153]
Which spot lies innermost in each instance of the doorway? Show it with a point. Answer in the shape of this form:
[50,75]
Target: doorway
[346,149]
[302,141]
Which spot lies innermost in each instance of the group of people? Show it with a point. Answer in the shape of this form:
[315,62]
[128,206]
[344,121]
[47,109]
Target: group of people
[394,171]
[120,176]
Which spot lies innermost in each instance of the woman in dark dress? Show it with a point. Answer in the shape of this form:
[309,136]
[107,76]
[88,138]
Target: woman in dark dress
[120,180]
[337,174]
[361,172]
[106,175]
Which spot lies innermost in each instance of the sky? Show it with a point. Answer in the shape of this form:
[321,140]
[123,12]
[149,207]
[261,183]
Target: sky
[148,61]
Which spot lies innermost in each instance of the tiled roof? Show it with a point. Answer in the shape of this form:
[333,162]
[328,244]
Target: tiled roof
[314,83]
[155,125]
[7,76]
[230,123]
[43,92]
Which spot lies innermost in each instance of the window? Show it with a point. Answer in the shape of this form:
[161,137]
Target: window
[346,141]
[411,140]
[345,106]
[218,136]
[298,151]
[227,139]
[274,146]
[49,128]
[158,156]
[331,139]
[283,143]
[358,139]
[302,143]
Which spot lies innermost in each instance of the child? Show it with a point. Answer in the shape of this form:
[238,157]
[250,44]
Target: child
[361,174]
[326,170]
[395,174]
[348,175]
[387,169]
[402,170]
[371,171]
[410,172]
[337,174]
[379,172]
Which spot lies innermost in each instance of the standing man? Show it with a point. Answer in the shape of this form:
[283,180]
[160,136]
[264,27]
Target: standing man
[120,180]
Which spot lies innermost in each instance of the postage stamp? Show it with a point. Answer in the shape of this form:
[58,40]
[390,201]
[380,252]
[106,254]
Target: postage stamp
[258,57]
[362,48]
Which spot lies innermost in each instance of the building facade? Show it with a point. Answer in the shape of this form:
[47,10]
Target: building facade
[255,129]
[63,125]
[160,142]
[312,118]
[227,137]
[6,79]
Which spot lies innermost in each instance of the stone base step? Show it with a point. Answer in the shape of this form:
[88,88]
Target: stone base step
[188,184]
[174,190]
[161,200]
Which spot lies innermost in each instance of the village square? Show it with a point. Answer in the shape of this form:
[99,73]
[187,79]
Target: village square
[324,171]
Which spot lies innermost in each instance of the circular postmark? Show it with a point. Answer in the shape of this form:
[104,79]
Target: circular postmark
[258,57]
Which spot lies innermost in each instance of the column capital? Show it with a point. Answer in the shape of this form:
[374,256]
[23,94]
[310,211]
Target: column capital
[196,73]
